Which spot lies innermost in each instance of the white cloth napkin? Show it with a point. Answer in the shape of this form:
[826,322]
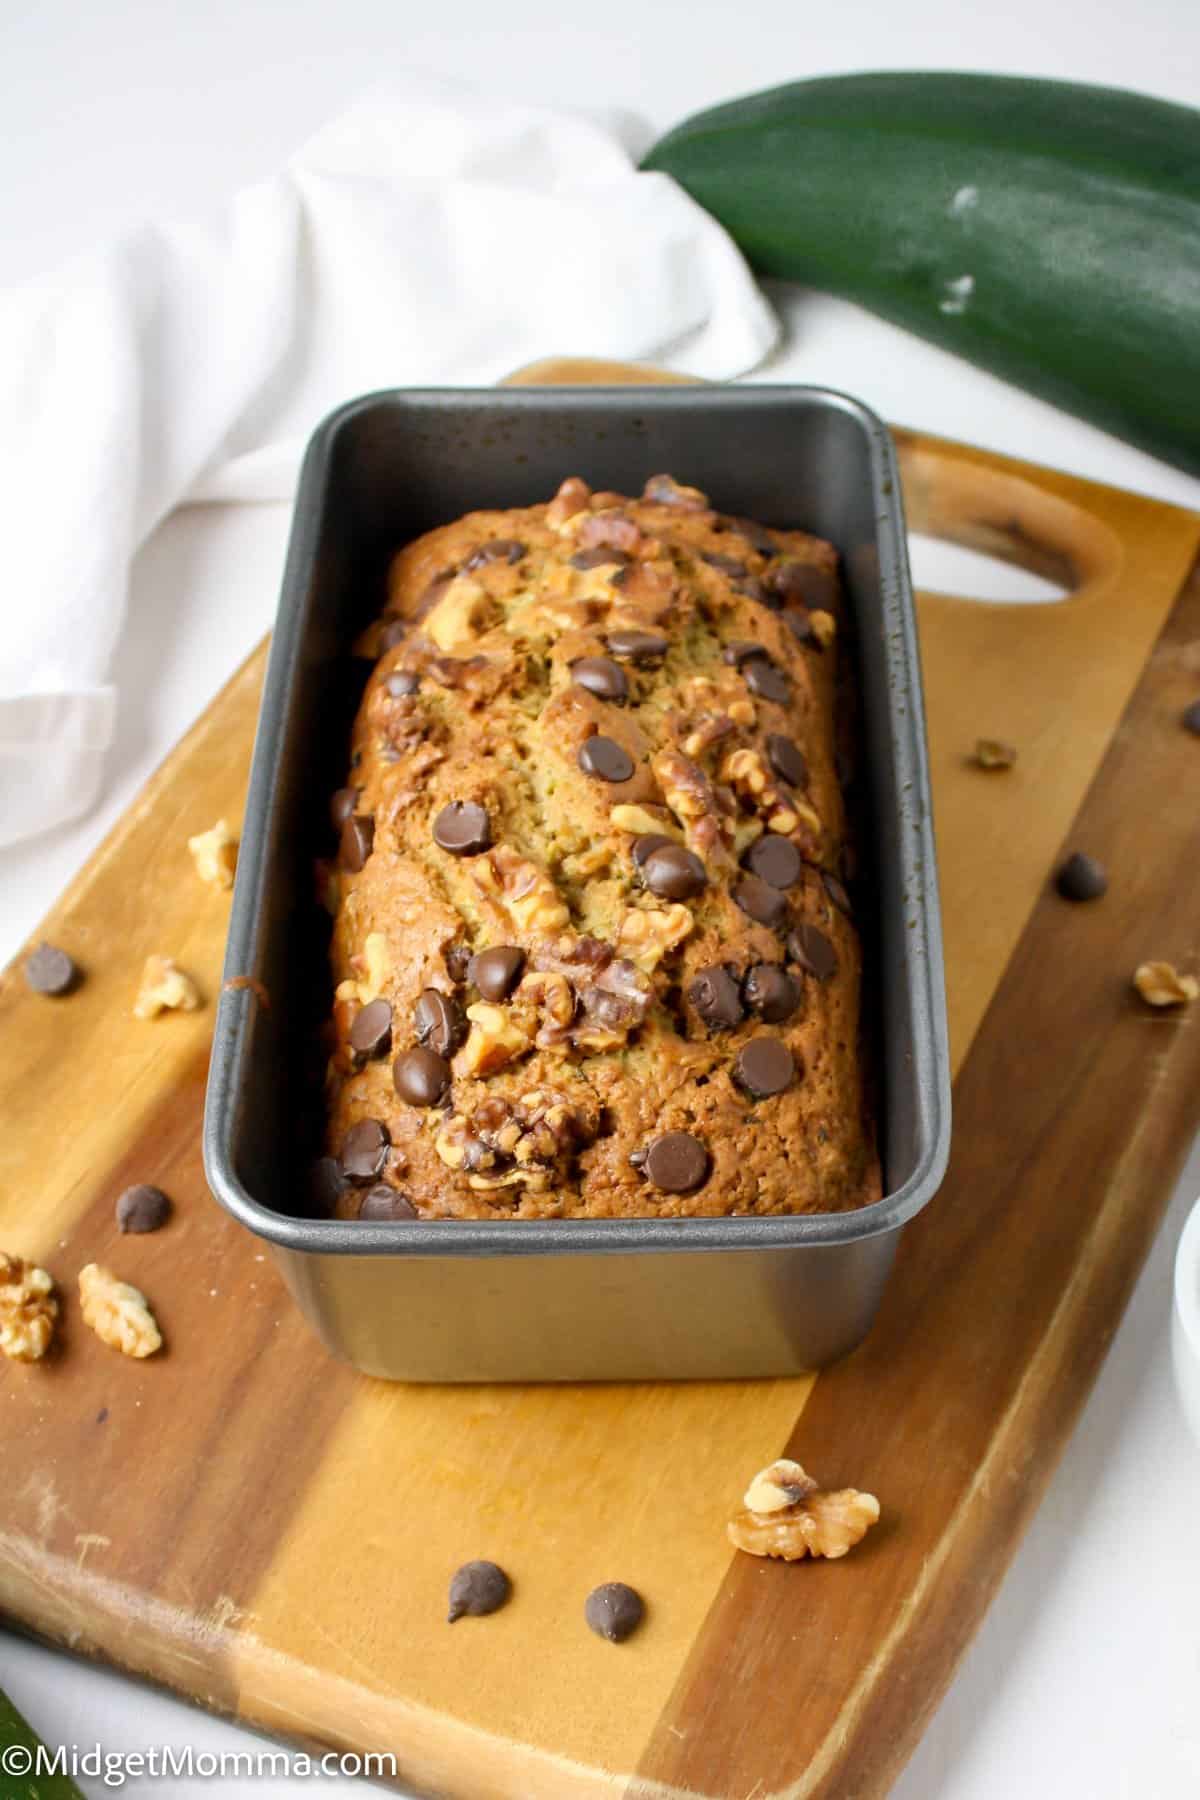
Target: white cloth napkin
[430,235]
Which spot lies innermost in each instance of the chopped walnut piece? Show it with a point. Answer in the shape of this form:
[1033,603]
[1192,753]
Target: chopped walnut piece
[641,822]
[613,530]
[646,935]
[709,729]
[550,993]
[118,1313]
[787,1515]
[164,988]
[215,854]
[742,712]
[824,627]
[374,965]
[526,893]
[498,1036]
[1161,984]
[746,773]
[990,753]
[664,490]
[464,610]
[571,498]
[28,1309]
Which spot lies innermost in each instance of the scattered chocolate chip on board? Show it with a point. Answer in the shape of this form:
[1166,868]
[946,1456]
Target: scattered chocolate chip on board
[49,970]
[142,1208]
[1081,878]
[614,1611]
[477,1589]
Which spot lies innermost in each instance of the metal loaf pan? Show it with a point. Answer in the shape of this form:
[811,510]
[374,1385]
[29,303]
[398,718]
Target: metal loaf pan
[571,1300]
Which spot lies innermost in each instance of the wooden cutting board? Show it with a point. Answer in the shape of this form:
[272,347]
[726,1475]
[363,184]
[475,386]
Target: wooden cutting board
[271,1534]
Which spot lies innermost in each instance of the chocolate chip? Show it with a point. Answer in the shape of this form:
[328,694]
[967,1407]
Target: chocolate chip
[754,589]
[800,625]
[664,490]
[754,534]
[421,1076]
[647,844]
[765,904]
[601,676]
[598,557]
[371,1030]
[383,1202]
[740,651]
[1191,718]
[764,1067]
[806,583]
[478,1588]
[767,681]
[673,872]
[677,1162]
[717,998]
[776,860]
[727,565]
[457,959]
[604,758]
[49,970]
[326,1181]
[393,633]
[613,1611]
[499,550]
[771,992]
[143,1208]
[496,972]
[638,646]
[837,892]
[787,759]
[342,805]
[364,1150]
[357,841]
[402,683]
[1081,878]
[637,1159]
[813,951]
[437,1022]
[462,828]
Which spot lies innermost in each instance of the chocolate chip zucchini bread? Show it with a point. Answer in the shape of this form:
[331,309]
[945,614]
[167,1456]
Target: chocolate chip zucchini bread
[593,952]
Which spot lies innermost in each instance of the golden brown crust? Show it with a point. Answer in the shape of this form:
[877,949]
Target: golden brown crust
[558,1088]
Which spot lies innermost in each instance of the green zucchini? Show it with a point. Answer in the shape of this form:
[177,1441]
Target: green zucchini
[1048,231]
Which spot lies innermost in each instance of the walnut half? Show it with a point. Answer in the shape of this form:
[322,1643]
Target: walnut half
[215,854]
[28,1309]
[164,988]
[118,1314]
[787,1515]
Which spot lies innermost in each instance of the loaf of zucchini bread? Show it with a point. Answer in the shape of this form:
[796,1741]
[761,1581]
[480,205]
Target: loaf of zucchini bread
[594,950]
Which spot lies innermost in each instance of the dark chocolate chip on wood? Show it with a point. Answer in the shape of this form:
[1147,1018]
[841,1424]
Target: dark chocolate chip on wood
[647,844]
[364,1150]
[717,998]
[421,1076]
[437,1022]
[677,1162]
[142,1208]
[771,992]
[764,1067]
[1081,878]
[638,646]
[765,904]
[462,828]
[357,841]
[326,1181]
[787,759]
[371,1030]
[49,970]
[402,683]
[1191,718]
[478,1588]
[598,557]
[507,550]
[342,805]
[601,676]
[836,892]
[812,951]
[766,680]
[604,758]
[673,872]
[496,972]
[382,1202]
[613,1611]
[776,860]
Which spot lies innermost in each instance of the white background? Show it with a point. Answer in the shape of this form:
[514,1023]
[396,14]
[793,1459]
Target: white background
[1084,1682]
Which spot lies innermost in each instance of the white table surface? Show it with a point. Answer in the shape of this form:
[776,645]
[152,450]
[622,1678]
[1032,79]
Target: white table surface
[1084,1681]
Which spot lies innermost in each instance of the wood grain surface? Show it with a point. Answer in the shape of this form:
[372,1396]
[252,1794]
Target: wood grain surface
[271,1534]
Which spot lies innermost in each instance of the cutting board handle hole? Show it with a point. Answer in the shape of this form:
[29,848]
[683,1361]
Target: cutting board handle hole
[941,567]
